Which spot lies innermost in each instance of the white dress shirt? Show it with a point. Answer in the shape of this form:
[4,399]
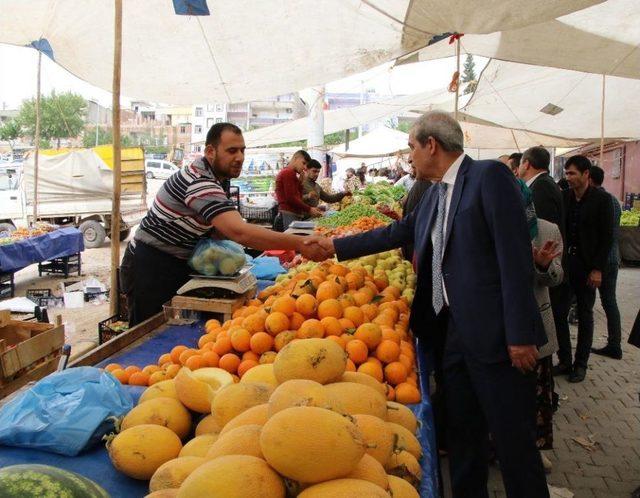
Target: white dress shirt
[531,180]
[450,179]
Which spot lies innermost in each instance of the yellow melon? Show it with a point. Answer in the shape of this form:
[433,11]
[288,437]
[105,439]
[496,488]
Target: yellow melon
[167,412]
[261,373]
[172,473]
[405,465]
[300,392]
[321,360]
[367,380]
[164,493]
[344,488]
[378,437]
[401,488]
[256,415]
[358,398]
[233,476]
[310,444]
[402,415]
[243,440]
[207,425]
[232,400]
[198,446]
[406,440]
[196,389]
[163,389]
[369,469]
[140,450]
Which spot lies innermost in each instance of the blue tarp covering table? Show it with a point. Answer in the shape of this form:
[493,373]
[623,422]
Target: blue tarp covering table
[57,244]
[96,465]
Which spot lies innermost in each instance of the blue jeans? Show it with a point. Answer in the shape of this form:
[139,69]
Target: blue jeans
[608,299]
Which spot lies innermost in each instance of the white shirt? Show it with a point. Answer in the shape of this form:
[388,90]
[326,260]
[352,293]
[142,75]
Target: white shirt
[450,179]
[531,180]
[407,182]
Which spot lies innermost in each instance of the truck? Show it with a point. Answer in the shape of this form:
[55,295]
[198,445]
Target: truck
[75,188]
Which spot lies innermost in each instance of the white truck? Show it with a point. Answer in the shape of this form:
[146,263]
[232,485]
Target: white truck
[75,189]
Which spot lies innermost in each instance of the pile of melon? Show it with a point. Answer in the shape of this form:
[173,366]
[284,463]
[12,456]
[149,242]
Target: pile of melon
[300,426]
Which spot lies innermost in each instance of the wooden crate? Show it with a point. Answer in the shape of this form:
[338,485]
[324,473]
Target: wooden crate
[28,352]
[223,307]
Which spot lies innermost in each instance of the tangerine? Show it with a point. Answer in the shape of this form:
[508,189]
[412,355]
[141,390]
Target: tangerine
[329,307]
[229,362]
[406,361]
[283,338]
[250,355]
[149,369]
[240,340]
[311,328]
[296,320]
[210,358]
[268,357]
[370,334]
[372,369]
[157,377]
[355,315]
[172,370]
[284,304]
[357,351]
[338,269]
[347,325]
[351,366]
[121,375]
[276,322]
[328,290]
[387,351]
[332,326]
[255,322]
[223,345]
[246,365]
[165,358]
[395,373]
[194,362]
[261,342]
[131,369]
[139,379]
[186,354]
[407,394]
[113,366]
[306,305]
[176,352]
[204,339]
[338,340]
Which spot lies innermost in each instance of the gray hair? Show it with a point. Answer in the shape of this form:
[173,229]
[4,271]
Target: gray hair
[442,127]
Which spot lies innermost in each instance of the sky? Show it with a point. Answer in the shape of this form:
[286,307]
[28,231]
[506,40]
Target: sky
[19,70]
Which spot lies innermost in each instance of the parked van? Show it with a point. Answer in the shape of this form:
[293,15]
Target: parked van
[156,168]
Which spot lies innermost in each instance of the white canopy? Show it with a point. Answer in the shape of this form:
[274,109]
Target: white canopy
[555,101]
[602,39]
[382,141]
[238,50]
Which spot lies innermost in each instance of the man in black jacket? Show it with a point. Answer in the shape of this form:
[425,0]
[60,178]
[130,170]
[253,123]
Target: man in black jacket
[588,226]
[547,197]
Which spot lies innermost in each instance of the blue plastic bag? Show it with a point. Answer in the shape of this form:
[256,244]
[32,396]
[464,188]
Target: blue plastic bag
[267,268]
[66,412]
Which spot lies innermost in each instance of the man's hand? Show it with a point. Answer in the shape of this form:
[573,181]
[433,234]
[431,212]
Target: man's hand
[315,212]
[317,248]
[546,254]
[595,279]
[524,358]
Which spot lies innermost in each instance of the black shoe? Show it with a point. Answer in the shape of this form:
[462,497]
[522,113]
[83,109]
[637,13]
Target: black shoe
[610,351]
[577,374]
[560,369]
[636,493]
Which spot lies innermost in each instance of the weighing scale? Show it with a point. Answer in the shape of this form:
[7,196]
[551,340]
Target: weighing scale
[219,286]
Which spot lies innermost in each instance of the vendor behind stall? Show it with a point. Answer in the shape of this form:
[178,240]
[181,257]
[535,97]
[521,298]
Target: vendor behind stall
[314,193]
[193,204]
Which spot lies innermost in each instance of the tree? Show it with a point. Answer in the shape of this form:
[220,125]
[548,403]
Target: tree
[61,116]
[469,74]
[10,131]
[105,136]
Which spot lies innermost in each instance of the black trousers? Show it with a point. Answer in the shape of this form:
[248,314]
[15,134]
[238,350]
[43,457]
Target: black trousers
[157,277]
[494,398]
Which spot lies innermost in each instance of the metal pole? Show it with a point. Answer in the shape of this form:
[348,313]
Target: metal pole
[115,210]
[97,119]
[36,158]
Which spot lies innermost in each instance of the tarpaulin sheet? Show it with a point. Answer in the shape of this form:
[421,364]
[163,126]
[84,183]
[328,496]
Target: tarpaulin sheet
[56,244]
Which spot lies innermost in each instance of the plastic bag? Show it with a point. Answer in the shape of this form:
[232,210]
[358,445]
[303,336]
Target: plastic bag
[267,268]
[217,257]
[66,412]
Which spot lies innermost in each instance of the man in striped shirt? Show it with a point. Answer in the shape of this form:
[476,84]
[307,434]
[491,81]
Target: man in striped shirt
[191,205]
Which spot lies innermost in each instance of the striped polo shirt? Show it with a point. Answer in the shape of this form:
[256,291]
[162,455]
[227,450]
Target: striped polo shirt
[183,210]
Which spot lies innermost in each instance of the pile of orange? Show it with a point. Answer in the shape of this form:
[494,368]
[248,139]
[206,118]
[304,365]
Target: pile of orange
[368,319]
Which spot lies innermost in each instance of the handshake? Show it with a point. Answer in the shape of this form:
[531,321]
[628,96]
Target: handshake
[316,248]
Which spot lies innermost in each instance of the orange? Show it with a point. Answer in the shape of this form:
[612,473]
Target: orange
[210,359]
[204,339]
[212,325]
[387,351]
[306,305]
[372,369]
[261,342]
[132,369]
[391,393]
[332,326]
[284,304]
[355,315]
[337,279]
[207,347]
[240,340]
[381,281]
[373,359]
[354,281]
[390,306]
[351,367]
[246,365]
[370,311]
[222,345]
[347,337]
[328,290]
[269,301]
[176,352]
[229,362]
[255,322]
[388,334]
[395,373]
[121,375]
[370,334]
[268,357]
[237,313]
[394,291]
[250,355]
[276,322]
[346,300]
[283,338]
[165,358]
[255,302]
[406,361]
[402,306]
[149,369]
[361,297]
[250,310]
[407,394]
[338,340]
[311,328]
[194,362]
[139,379]
[172,370]
[347,325]
[384,319]
[113,366]
[186,354]
[357,351]
[296,320]
[338,269]
[330,307]
[157,377]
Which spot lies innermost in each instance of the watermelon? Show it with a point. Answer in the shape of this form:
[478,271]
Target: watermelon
[43,481]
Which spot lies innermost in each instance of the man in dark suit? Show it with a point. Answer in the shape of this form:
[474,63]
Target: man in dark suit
[475,273]
[588,227]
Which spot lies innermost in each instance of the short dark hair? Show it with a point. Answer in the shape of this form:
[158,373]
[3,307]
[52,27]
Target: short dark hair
[305,155]
[215,132]
[516,157]
[581,163]
[538,157]
[596,173]
[314,164]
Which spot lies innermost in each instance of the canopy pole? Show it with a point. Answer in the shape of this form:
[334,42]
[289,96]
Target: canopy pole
[115,209]
[315,141]
[602,123]
[36,158]
[515,140]
[457,75]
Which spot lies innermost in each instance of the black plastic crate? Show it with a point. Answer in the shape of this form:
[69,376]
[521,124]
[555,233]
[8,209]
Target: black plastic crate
[35,294]
[7,285]
[61,266]
[260,214]
[107,329]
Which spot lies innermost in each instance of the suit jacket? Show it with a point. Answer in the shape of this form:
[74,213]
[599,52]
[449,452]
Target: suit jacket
[634,337]
[596,227]
[547,199]
[487,265]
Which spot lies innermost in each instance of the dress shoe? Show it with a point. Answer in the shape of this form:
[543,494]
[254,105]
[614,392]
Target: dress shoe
[636,493]
[577,374]
[560,369]
[610,351]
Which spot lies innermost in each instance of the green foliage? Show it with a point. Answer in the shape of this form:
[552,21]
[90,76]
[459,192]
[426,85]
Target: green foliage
[351,213]
[10,131]
[469,74]
[105,136]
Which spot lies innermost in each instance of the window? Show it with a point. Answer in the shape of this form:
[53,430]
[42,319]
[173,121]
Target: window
[616,167]
[218,120]
[209,122]
[198,112]
[153,164]
[198,129]
[167,166]
[218,107]
[183,129]
[210,107]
